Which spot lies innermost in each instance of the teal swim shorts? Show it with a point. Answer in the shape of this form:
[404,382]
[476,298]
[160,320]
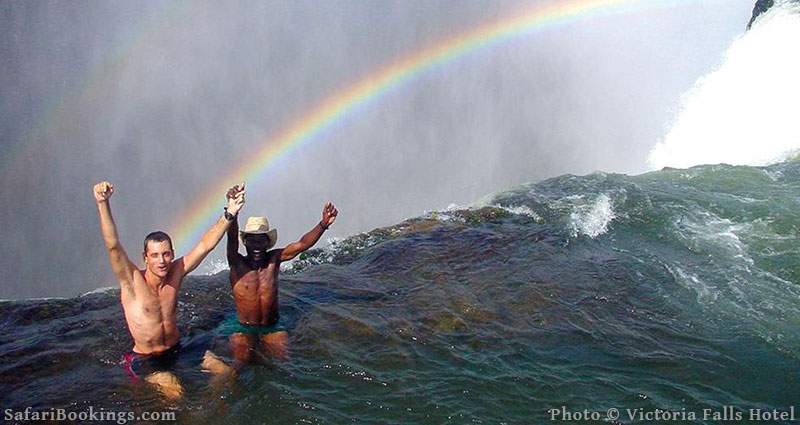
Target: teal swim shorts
[232,325]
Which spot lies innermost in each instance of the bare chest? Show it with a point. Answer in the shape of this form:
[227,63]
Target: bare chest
[263,280]
[153,305]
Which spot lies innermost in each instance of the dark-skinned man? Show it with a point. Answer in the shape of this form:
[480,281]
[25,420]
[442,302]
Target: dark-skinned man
[254,282]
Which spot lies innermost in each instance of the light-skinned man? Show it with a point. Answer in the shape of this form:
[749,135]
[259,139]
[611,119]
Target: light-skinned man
[149,296]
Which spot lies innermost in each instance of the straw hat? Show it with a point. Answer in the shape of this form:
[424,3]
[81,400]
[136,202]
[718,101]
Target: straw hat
[260,226]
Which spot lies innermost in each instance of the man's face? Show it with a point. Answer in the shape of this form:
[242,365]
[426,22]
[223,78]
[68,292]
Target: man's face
[255,242]
[158,257]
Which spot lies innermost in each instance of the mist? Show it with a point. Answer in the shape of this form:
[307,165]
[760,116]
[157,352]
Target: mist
[745,111]
[165,98]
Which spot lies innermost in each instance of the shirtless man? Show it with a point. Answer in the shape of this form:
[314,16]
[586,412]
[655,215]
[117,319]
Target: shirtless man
[254,281]
[149,297]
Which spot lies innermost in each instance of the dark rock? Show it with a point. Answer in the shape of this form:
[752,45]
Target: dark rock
[761,7]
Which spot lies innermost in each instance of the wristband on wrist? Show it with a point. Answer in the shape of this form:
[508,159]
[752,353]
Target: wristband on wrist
[228,216]
[324,227]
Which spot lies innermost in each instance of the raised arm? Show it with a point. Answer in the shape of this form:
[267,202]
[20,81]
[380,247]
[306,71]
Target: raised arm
[233,240]
[212,237]
[120,263]
[329,213]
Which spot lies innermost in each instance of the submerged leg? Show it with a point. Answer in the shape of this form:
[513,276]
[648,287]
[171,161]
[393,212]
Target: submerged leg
[221,373]
[242,346]
[276,344]
[212,363]
[166,383]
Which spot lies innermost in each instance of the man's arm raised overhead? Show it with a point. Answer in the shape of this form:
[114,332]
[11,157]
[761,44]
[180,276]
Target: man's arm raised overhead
[232,249]
[211,238]
[329,213]
[120,263]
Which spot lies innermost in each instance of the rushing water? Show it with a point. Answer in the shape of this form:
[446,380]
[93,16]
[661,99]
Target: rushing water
[674,290]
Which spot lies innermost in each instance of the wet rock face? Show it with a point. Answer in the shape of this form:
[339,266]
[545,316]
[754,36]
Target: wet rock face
[761,7]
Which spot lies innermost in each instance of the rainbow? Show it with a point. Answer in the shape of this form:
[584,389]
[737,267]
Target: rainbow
[206,208]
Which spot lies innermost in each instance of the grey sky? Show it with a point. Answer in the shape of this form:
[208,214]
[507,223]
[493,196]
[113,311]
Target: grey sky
[163,98]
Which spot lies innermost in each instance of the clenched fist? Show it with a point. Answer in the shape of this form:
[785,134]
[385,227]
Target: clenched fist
[235,198]
[103,191]
[329,213]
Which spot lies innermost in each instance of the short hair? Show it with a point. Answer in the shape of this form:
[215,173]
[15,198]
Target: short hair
[157,236]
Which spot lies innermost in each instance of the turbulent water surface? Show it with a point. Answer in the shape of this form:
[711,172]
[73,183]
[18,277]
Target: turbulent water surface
[674,290]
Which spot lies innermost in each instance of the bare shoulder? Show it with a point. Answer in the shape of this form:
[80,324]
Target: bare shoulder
[138,276]
[237,267]
[235,259]
[136,282]
[275,254]
[176,273]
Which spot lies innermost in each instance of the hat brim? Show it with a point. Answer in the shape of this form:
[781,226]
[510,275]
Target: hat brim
[272,234]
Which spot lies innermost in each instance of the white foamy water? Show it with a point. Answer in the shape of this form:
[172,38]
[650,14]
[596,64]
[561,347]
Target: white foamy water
[705,232]
[213,266]
[522,210]
[745,112]
[592,219]
[102,290]
[447,214]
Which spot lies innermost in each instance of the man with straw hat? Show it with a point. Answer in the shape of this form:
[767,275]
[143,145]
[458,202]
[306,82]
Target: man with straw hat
[254,281]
